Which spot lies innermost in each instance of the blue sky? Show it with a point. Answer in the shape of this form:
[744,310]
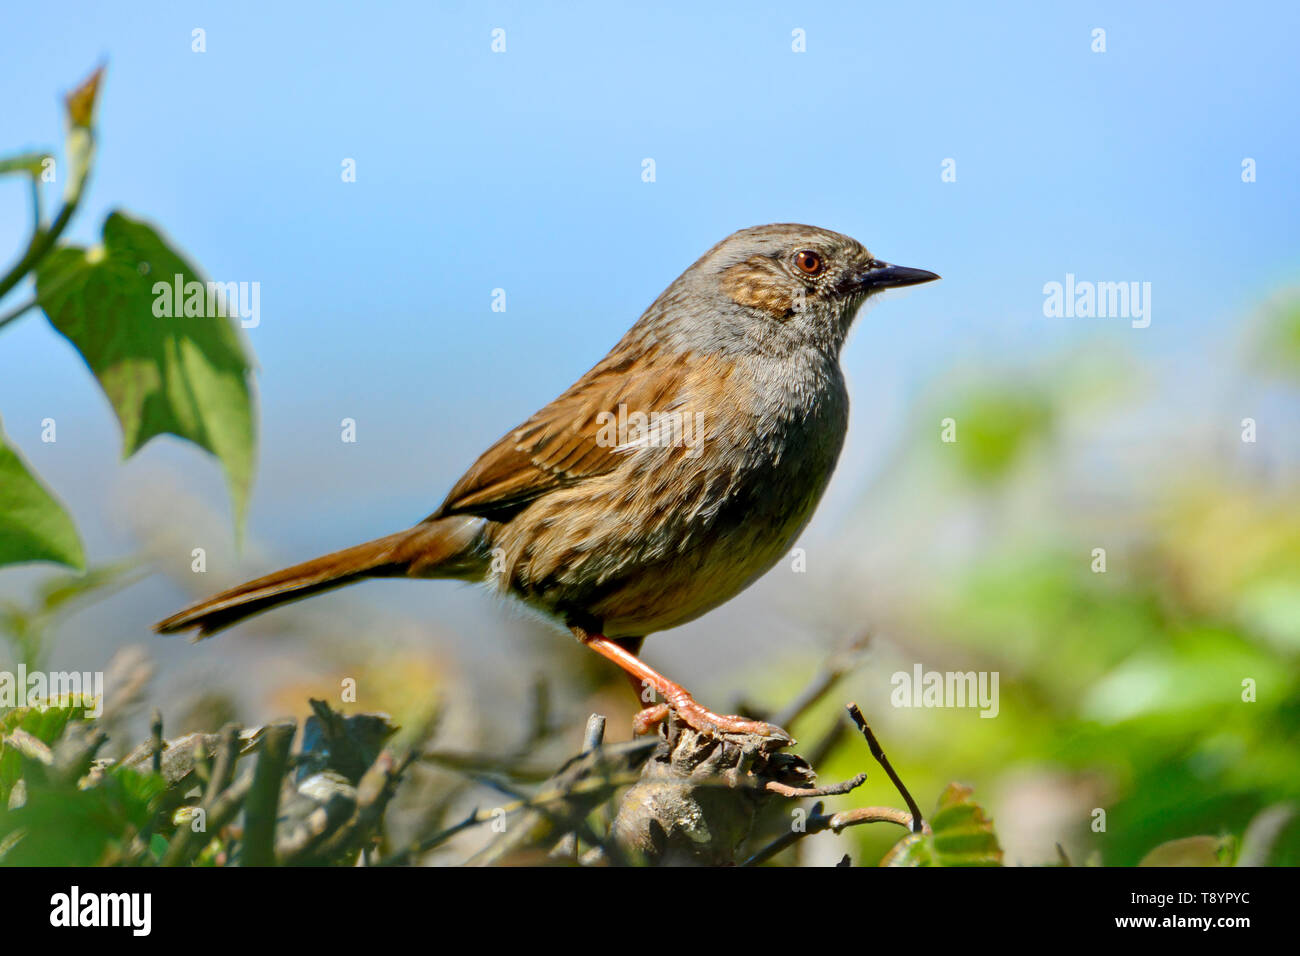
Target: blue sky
[522,171]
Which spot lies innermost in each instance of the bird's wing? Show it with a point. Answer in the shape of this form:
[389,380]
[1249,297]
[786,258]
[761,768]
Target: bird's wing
[568,440]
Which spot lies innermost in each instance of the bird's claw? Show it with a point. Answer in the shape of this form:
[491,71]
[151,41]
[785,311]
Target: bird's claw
[705,721]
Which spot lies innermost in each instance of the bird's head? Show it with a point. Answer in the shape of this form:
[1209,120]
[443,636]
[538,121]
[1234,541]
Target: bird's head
[785,284]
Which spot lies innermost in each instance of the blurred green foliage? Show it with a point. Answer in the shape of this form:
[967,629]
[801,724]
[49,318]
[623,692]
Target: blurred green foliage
[27,626]
[1159,699]
[180,371]
[1277,345]
[996,426]
[60,814]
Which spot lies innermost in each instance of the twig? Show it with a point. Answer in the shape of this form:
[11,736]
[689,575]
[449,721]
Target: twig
[202,765]
[507,765]
[405,856]
[918,823]
[223,769]
[567,847]
[156,727]
[477,816]
[30,746]
[580,784]
[374,792]
[264,798]
[831,790]
[814,824]
[17,312]
[566,819]
[186,842]
[81,150]
[594,734]
[821,751]
[819,822]
[858,815]
[475,765]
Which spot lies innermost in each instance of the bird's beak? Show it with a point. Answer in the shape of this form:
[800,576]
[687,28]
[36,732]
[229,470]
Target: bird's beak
[881,275]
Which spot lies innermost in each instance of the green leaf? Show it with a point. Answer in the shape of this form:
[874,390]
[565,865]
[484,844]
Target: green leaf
[33,525]
[186,376]
[960,835]
[31,163]
[1193,851]
[46,722]
[67,826]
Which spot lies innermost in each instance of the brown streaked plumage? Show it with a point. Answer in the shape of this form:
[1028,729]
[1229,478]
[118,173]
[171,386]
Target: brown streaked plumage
[665,480]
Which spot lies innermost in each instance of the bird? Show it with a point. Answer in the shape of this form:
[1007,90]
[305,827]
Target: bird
[665,481]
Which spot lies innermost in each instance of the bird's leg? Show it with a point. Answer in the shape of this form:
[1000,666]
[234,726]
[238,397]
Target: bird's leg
[652,713]
[643,689]
[677,698]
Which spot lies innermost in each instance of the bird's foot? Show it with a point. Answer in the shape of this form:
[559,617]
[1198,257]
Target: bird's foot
[648,719]
[677,698]
[699,718]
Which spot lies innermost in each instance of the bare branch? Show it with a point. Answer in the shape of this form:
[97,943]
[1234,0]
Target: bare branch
[918,823]
[831,790]
[264,799]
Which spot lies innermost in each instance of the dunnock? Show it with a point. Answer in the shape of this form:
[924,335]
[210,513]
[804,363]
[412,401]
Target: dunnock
[662,483]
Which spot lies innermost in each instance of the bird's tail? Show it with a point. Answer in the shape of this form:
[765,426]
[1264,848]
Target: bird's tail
[445,547]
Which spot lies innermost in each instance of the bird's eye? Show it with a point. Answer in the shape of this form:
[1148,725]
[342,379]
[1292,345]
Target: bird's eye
[810,263]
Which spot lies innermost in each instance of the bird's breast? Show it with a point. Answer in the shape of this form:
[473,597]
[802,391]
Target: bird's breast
[692,517]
